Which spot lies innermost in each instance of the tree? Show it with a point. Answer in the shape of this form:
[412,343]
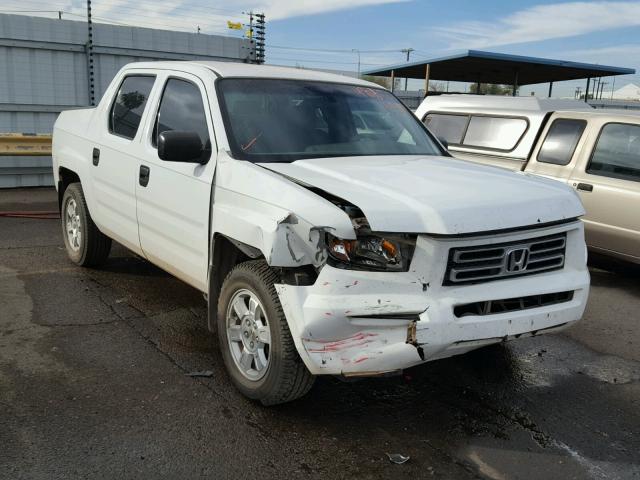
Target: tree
[382,81]
[492,89]
[439,87]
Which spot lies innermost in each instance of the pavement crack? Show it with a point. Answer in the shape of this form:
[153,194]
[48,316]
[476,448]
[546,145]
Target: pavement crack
[80,324]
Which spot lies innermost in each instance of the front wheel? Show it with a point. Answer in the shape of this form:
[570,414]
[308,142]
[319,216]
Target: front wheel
[86,245]
[254,337]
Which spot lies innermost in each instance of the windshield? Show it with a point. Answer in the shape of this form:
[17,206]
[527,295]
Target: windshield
[273,120]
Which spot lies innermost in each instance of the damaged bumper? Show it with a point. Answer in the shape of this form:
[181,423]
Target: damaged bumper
[370,323]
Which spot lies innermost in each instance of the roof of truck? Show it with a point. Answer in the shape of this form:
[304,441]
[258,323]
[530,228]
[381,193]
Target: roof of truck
[494,103]
[612,114]
[237,69]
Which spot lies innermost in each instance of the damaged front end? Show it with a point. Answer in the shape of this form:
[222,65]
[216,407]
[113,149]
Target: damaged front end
[363,301]
[354,321]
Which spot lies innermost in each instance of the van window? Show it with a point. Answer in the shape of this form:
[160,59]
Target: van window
[447,127]
[561,141]
[617,152]
[127,109]
[496,133]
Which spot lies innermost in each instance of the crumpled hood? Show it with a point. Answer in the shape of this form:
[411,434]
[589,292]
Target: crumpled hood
[437,195]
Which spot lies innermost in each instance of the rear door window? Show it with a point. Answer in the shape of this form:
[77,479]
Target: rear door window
[617,152]
[128,107]
[496,133]
[447,127]
[561,141]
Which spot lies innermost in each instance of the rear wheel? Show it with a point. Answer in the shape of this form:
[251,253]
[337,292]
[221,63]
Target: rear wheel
[254,337]
[86,245]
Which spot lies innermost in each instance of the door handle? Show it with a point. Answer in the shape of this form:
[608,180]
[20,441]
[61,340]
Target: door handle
[587,187]
[96,156]
[144,175]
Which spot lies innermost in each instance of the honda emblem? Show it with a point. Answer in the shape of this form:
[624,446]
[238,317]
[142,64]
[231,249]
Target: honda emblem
[517,259]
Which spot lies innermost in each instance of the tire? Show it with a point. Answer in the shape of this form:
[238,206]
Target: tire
[86,245]
[285,377]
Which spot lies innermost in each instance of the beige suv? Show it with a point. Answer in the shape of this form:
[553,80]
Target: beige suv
[597,152]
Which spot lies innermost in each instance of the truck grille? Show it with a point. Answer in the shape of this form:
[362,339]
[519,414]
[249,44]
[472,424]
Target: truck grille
[505,260]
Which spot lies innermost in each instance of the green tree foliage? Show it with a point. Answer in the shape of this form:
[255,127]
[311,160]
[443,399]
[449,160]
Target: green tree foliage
[492,89]
[382,81]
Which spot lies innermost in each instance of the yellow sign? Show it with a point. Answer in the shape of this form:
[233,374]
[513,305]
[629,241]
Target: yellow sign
[234,25]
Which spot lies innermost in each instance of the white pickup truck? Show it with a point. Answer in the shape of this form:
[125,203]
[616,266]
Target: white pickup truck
[320,218]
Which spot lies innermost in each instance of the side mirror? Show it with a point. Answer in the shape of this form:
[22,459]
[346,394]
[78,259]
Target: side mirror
[179,146]
[444,143]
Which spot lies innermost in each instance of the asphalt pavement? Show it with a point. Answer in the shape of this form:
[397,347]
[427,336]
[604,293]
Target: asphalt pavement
[94,383]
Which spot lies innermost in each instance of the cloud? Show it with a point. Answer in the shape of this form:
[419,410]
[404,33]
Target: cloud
[280,9]
[544,22]
[603,54]
[187,15]
[626,55]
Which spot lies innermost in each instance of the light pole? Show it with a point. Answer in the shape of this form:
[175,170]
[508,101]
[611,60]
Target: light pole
[408,52]
[355,50]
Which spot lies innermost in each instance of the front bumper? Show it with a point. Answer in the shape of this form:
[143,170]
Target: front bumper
[370,323]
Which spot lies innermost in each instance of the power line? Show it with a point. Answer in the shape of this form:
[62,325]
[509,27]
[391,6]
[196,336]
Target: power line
[189,14]
[194,13]
[306,60]
[158,20]
[30,11]
[150,25]
[329,50]
[150,3]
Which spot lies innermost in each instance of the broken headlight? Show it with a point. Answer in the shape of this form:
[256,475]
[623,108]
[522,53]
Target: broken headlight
[372,252]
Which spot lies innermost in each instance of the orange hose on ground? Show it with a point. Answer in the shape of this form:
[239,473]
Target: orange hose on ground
[47,215]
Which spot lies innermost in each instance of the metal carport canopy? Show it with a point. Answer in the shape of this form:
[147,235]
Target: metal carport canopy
[499,68]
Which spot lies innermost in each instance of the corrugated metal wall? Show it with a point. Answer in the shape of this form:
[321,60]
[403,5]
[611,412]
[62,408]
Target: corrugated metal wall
[43,70]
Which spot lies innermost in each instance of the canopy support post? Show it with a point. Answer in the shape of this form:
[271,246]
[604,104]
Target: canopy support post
[586,92]
[427,73]
[550,88]
[515,84]
[393,80]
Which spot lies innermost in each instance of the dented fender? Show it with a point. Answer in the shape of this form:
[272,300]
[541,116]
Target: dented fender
[284,221]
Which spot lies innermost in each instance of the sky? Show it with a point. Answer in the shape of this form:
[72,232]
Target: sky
[605,32]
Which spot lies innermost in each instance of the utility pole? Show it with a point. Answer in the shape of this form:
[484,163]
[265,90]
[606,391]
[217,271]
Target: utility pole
[612,87]
[256,34]
[249,34]
[260,27]
[89,51]
[408,52]
[355,50]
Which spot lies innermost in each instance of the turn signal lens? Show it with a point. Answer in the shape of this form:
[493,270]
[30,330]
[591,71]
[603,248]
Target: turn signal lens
[389,247]
[341,249]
